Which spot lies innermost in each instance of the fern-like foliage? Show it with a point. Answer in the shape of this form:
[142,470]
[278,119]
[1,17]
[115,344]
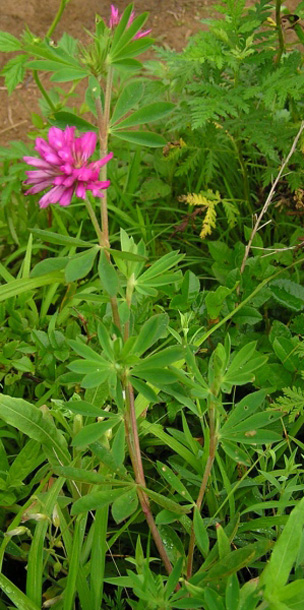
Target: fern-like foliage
[209,201]
[239,109]
[291,403]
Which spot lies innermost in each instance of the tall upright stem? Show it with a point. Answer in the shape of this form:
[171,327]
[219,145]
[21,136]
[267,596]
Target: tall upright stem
[103,116]
[135,455]
[94,222]
[207,471]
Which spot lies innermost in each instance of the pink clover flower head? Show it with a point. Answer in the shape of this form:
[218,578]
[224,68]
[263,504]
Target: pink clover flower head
[116,17]
[63,166]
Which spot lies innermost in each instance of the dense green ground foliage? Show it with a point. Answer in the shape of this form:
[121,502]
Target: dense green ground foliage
[152,393]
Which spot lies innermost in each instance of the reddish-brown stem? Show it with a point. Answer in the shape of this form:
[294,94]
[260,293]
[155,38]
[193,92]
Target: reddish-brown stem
[200,497]
[135,455]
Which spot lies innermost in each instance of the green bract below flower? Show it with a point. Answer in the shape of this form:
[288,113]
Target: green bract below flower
[63,166]
[116,17]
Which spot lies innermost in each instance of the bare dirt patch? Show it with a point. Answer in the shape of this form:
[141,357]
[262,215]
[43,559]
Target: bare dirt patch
[172,23]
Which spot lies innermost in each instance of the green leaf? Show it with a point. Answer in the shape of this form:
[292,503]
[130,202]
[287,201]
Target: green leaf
[74,562]
[84,350]
[141,138]
[129,97]
[255,437]
[63,240]
[157,376]
[67,74]
[144,389]
[108,275]
[112,459]
[123,38]
[232,593]
[13,72]
[235,561]
[285,552]
[247,315]
[288,293]
[9,43]
[30,421]
[128,256]
[152,330]
[222,541]
[122,27]
[21,601]
[63,119]
[285,351]
[154,188]
[201,536]
[171,442]
[16,287]
[215,299]
[292,594]
[167,503]
[85,408]
[48,265]
[80,474]
[91,433]
[124,506]
[165,357]
[105,342]
[133,48]
[80,265]
[98,499]
[146,114]
[245,408]
[173,481]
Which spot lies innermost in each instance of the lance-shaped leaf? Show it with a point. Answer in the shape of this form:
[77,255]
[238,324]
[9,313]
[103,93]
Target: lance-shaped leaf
[141,138]
[98,499]
[30,420]
[129,97]
[284,553]
[151,331]
[15,287]
[80,265]
[108,275]
[147,114]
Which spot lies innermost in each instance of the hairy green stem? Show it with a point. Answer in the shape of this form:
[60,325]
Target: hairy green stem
[43,91]
[129,292]
[207,472]
[57,18]
[95,222]
[103,116]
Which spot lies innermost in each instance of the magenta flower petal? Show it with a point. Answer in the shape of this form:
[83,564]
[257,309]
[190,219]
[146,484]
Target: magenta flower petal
[66,197]
[88,144]
[56,138]
[37,162]
[37,188]
[142,34]
[115,18]
[63,166]
[80,191]
[96,165]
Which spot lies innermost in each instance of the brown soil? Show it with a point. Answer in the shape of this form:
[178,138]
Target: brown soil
[172,22]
